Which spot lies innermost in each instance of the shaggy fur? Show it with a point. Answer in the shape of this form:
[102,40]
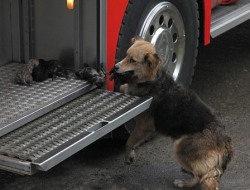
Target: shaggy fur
[200,143]
[23,76]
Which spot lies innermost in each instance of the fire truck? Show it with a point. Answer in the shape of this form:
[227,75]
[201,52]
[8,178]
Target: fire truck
[47,122]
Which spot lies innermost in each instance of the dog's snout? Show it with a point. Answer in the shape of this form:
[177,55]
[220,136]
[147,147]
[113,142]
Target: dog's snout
[117,65]
[114,69]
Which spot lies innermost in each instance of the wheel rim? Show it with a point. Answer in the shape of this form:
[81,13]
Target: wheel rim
[164,28]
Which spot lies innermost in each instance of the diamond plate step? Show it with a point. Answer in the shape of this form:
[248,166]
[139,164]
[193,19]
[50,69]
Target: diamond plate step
[48,140]
[21,104]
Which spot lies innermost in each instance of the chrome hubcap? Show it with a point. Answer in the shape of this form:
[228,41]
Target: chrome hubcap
[164,28]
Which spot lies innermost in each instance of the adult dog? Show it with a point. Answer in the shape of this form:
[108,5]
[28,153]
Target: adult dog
[200,144]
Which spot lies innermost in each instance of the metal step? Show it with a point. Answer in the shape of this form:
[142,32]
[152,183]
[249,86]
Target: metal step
[50,139]
[21,104]
[226,17]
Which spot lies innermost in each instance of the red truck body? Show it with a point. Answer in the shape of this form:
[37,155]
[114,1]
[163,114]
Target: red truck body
[115,13]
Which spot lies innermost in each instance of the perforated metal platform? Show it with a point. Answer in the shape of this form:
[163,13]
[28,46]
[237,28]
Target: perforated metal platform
[46,141]
[35,139]
[20,104]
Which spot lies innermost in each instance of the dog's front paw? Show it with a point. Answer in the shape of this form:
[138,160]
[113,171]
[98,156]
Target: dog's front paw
[179,183]
[130,157]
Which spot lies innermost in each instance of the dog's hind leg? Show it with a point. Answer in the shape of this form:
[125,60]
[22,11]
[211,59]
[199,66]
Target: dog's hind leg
[187,183]
[186,171]
[144,127]
[199,154]
[208,182]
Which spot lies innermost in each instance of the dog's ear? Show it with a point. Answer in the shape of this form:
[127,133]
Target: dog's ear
[153,60]
[134,39]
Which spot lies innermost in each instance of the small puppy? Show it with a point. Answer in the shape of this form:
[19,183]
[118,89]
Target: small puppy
[56,69]
[90,74]
[48,69]
[41,73]
[24,75]
[200,143]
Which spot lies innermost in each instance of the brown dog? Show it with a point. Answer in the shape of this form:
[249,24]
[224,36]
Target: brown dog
[200,145]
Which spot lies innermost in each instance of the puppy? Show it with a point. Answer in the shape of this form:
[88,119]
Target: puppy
[41,73]
[200,143]
[24,75]
[49,69]
[90,74]
[56,69]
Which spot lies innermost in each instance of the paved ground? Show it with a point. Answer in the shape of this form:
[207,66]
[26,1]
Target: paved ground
[222,79]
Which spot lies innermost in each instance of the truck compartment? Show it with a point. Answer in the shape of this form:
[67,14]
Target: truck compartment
[45,123]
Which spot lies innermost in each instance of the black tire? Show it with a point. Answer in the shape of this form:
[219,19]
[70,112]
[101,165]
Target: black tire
[136,15]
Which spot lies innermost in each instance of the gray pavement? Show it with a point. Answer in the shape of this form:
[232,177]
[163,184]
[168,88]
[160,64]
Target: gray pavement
[221,79]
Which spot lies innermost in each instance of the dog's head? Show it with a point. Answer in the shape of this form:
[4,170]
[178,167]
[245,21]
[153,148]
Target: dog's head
[141,60]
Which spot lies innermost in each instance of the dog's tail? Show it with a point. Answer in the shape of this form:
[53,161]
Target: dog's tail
[226,146]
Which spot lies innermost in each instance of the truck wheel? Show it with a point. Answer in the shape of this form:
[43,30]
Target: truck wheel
[172,26]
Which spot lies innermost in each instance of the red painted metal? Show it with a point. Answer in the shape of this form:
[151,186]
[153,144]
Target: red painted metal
[216,3]
[207,20]
[115,12]
[207,15]
[225,2]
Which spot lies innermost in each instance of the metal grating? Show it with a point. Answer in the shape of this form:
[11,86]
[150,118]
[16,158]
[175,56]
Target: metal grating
[50,131]
[18,100]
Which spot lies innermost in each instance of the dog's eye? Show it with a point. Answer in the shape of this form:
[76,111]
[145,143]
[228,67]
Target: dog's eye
[132,60]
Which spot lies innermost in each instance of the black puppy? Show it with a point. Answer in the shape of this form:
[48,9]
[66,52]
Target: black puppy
[56,69]
[90,74]
[48,69]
